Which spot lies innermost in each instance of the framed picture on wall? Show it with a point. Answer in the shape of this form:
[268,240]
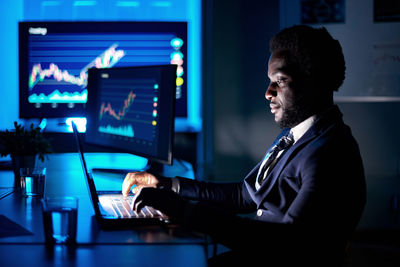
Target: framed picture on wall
[386,10]
[317,11]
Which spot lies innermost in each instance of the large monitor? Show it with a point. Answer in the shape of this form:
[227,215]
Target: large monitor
[132,110]
[54,59]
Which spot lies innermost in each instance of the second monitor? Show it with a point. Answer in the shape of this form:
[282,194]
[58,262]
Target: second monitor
[132,109]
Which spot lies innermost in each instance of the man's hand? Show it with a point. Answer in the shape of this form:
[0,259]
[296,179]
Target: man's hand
[166,201]
[141,180]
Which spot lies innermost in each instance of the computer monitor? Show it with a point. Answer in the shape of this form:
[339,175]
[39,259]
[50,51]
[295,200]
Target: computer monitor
[132,110]
[54,59]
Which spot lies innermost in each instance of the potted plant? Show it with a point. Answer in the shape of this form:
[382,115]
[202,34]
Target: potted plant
[25,146]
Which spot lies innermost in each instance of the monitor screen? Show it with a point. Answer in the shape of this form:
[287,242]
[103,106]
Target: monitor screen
[132,109]
[54,59]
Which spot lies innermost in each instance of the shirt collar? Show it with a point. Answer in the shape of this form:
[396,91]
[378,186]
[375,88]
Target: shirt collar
[300,129]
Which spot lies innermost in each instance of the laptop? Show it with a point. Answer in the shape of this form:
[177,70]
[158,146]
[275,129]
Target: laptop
[113,210]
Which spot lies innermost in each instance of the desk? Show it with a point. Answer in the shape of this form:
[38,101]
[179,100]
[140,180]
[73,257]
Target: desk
[150,246]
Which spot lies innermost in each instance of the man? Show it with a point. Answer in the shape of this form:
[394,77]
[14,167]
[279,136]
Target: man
[308,193]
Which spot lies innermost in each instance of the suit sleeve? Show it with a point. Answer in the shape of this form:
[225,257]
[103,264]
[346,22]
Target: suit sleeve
[233,196]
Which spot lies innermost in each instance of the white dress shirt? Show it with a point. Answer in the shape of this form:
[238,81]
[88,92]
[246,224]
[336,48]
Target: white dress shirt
[298,131]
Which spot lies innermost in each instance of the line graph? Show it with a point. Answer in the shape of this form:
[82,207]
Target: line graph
[126,107]
[105,60]
[107,108]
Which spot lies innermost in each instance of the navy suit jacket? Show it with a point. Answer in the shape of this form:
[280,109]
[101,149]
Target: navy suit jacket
[316,191]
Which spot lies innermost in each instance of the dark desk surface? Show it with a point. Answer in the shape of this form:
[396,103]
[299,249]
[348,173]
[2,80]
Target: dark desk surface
[164,246]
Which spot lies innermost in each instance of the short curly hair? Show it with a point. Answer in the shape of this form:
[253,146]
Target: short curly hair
[316,56]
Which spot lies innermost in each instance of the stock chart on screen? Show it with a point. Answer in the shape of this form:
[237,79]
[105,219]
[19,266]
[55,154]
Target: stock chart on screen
[133,109]
[129,109]
[55,58]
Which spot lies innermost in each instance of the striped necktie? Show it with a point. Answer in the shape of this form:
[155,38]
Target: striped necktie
[283,143]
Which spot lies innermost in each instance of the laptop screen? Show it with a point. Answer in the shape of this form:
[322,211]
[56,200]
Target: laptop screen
[132,109]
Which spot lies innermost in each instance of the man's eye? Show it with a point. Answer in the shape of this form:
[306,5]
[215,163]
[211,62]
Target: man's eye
[278,83]
[281,82]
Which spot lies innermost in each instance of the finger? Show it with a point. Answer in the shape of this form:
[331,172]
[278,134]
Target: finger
[136,190]
[129,181]
[145,197]
[132,205]
[138,202]
[138,206]
[146,178]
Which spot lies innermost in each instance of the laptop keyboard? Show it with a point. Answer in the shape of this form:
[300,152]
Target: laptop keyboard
[123,208]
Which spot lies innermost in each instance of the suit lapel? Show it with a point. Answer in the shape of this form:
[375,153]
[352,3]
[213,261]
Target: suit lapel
[313,132]
[273,176]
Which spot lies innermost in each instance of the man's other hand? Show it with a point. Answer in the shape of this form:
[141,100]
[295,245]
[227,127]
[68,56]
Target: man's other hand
[166,201]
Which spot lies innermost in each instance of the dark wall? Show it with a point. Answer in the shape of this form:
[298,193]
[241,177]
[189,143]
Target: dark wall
[376,126]
[241,125]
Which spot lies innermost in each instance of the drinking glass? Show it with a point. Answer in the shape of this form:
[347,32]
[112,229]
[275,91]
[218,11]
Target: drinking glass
[60,219]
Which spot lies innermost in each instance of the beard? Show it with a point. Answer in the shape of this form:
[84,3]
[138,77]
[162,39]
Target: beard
[294,113]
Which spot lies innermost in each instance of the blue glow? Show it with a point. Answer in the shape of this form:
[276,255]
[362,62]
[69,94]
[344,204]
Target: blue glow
[50,3]
[80,123]
[85,3]
[177,42]
[118,161]
[57,223]
[128,4]
[194,121]
[12,13]
[28,185]
[43,124]
[161,4]
[176,56]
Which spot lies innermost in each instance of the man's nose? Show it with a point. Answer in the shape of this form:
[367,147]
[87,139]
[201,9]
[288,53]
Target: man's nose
[271,92]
